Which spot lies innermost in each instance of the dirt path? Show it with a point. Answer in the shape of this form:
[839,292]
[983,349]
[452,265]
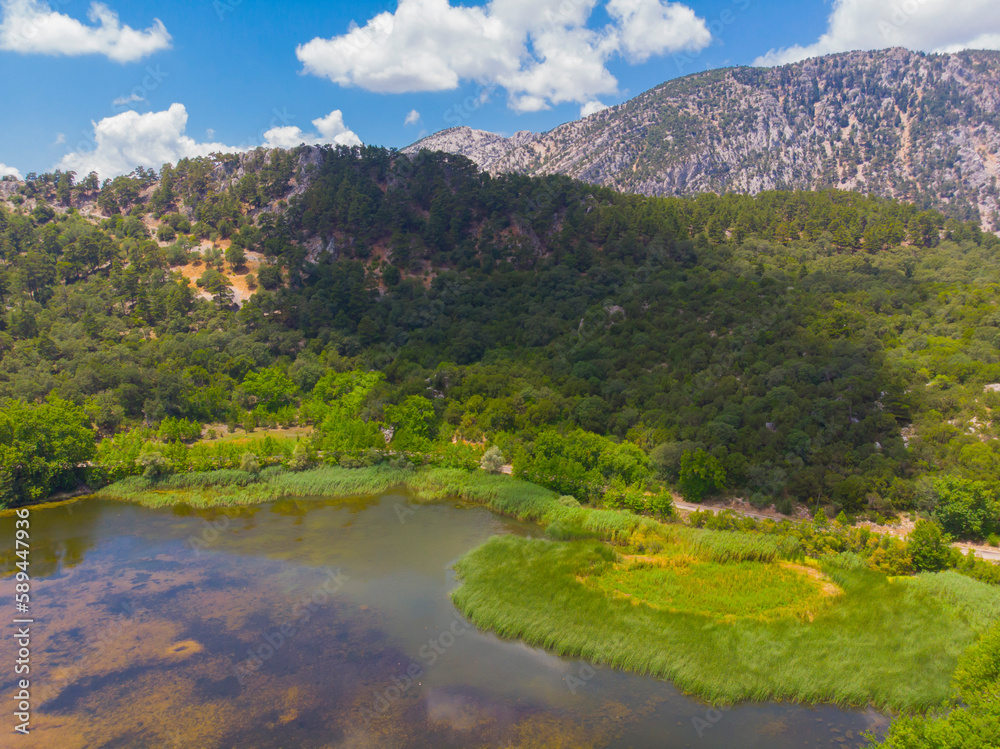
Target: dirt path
[983,552]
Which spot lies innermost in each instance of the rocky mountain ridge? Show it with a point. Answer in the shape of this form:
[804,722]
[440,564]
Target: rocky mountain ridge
[912,126]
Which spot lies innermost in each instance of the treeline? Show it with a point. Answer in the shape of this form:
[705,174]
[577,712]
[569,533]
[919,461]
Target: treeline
[791,347]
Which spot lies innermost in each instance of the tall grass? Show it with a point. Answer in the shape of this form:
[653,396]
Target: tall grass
[733,546]
[228,486]
[977,601]
[235,487]
[890,643]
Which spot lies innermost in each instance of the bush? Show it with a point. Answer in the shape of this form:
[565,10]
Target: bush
[662,504]
[302,457]
[249,463]
[929,547]
[492,460]
[154,465]
[179,430]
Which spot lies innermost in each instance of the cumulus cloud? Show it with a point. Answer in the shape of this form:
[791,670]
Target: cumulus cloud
[412,118]
[541,51]
[925,25]
[31,26]
[130,139]
[9,171]
[649,27]
[331,129]
[591,107]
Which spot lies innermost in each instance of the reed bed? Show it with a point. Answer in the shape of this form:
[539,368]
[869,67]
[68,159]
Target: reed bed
[893,644]
[228,487]
[733,546]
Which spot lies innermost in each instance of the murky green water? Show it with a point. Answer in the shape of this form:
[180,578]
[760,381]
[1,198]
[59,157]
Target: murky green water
[320,623]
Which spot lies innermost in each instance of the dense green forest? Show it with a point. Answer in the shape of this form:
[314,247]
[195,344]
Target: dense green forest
[789,347]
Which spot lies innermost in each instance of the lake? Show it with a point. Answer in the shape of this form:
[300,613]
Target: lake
[321,623]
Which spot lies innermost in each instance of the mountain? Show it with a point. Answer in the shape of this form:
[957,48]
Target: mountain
[906,125]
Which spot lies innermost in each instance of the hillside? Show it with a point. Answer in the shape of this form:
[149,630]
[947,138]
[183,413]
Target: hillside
[912,126]
[789,347]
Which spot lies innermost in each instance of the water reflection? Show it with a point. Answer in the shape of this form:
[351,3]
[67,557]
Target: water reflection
[221,628]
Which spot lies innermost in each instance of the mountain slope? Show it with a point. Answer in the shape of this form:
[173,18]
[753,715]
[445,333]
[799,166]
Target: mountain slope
[923,128]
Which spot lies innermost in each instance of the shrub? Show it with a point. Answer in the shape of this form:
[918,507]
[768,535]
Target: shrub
[302,457]
[929,546]
[178,430]
[249,463]
[154,464]
[492,460]
[662,504]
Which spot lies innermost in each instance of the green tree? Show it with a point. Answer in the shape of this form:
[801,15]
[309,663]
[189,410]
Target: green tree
[43,448]
[412,421]
[966,509]
[700,474]
[271,388]
[929,546]
[235,256]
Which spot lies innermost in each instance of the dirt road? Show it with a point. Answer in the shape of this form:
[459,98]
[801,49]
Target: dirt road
[983,552]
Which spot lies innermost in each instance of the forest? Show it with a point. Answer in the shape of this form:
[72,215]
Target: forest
[821,348]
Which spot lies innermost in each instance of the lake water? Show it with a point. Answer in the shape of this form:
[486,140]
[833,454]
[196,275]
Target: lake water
[320,623]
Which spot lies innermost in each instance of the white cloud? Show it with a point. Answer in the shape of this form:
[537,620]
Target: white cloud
[925,25]
[60,139]
[9,171]
[649,27]
[591,107]
[412,118]
[130,139]
[124,101]
[152,139]
[540,51]
[331,130]
[31,26]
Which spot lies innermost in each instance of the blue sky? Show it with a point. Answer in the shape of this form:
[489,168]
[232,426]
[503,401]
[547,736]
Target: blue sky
[163,80]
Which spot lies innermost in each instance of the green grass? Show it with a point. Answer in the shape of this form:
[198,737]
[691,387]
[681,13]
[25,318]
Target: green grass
[232,487]
[890,643]
[974,721]
[718,591]
[733,546]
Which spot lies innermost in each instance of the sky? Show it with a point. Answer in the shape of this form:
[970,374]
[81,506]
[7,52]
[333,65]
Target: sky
[108,86]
